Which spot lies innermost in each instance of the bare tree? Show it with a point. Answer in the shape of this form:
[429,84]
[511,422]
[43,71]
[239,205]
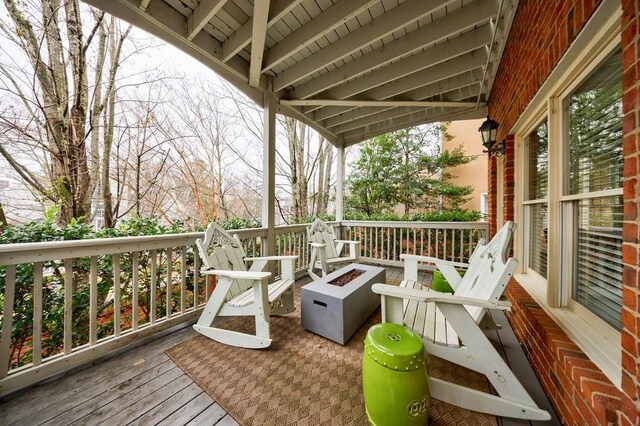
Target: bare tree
[56,111]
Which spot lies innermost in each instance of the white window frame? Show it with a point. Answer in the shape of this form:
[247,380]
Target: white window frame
[601,342]
[526,219]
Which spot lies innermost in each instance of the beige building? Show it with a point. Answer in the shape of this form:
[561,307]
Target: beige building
[466,133]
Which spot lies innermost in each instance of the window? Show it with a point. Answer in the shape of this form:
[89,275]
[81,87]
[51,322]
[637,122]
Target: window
[568,192]
[536,204]
[593,176]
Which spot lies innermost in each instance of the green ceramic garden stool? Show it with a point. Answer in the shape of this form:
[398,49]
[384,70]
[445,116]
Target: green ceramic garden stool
[395,377]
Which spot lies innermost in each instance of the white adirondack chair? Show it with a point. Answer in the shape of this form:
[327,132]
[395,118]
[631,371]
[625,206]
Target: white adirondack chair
[240,291]
[449,326]
[449,269]
[326,249]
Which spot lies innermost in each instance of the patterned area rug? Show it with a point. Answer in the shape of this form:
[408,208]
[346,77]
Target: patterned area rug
[302,378]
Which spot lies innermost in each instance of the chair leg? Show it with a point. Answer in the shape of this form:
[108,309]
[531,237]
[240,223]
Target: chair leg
[285,305]
[228,337]
[480,355]
[262,310]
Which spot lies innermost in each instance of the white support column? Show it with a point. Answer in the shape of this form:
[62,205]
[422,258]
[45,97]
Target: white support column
[340,184]
[269,170]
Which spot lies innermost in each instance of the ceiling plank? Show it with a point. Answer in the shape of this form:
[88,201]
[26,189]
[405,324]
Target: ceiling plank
[391,21]
[423,117]
[476,14]
[394,112]
[358,113]
[370,103]
[168,24]
[202,14]
[326,21]
[465,79]
[259,35]
[242,37]
[426,59]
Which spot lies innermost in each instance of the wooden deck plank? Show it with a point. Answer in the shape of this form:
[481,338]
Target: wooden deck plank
[509,347]
[131,406]
[50,394]
[188,411]
[66,412]
[214,414]
[170,405]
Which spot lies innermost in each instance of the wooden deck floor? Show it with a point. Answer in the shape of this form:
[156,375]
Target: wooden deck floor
[144,387]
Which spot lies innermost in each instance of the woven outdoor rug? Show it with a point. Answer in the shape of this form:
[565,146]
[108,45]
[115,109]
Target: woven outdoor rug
[302,378]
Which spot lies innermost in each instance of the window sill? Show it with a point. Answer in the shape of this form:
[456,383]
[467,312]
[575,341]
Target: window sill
[603,352]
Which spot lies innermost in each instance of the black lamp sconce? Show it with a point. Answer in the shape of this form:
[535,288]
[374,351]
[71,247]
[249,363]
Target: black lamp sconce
[489,130]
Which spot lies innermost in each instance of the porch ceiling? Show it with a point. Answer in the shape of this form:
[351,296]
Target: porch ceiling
[351,69]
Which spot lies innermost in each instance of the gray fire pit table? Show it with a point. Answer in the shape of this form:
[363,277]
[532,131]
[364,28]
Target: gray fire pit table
[338,312]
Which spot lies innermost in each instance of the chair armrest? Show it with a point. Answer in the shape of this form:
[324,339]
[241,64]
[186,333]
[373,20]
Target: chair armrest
[429,259]
[348,241]
[240,275]
[318,245]
[253,259]
[436,297]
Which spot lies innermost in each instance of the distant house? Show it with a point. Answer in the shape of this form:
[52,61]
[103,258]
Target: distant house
[466,133]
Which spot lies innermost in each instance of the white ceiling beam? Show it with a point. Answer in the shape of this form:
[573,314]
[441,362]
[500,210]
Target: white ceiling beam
[326,21]
[242,37]
[202,14]
[352,116]
[393,113]
[168,24]
[259,35]
[422,117]
[452,83]
[426,59]
[373,103]
[509,15]
[144,4]
[394,19]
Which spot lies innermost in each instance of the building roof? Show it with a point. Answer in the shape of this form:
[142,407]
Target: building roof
[351,69]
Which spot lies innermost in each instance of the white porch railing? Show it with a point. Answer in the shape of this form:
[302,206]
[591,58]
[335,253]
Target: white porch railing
[384,242]
[98,312]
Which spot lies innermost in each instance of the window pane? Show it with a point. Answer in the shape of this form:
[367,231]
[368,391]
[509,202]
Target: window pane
[595,129]
[598,267]
[538,143]
[538,238]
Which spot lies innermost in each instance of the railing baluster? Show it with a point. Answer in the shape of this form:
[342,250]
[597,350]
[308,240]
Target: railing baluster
[421,241]
[169,287]
[117,323]
[429,242]
[437,242]
[68,305]
[37,313]
[183,279]
[196,278]
[7,320]
[152,285]
[394,244]
[135,290]
[93,302]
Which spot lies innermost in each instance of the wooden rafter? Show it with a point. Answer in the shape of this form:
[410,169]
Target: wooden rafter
[258,37]
[202,14]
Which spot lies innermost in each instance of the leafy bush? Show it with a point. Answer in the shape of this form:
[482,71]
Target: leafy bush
[455,215]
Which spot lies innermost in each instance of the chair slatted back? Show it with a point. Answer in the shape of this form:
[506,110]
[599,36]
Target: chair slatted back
[320,232]
[219,250]
[490,271]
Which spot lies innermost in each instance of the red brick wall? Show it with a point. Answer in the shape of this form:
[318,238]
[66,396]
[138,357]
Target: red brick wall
[630,248]
[540,35]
